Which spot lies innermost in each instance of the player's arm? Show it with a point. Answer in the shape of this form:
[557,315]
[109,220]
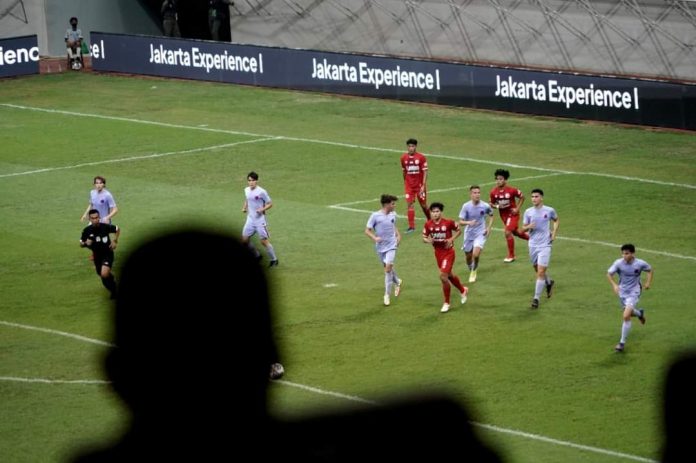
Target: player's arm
[528,224]
[112,212]
[370,233]
[425,179]
[245,206]
[114,242]
[427,238]
[85,242]
[266,206]
[489,224]
[649,279]
[492,201]
[556,222]
[86,214]
[612,281]
[520,196]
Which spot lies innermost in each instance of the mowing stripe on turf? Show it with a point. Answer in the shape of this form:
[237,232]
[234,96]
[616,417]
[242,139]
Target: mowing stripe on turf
[346,145]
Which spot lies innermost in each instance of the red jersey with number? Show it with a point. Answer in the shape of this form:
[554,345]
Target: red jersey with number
[505,198]
[414,168]
[440,231]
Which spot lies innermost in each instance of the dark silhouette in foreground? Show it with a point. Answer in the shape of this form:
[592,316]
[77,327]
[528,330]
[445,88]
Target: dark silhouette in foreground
[679,410]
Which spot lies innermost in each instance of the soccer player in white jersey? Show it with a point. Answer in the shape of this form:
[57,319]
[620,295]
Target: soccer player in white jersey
[537,221]
[381,228]
[629,287]
[256,203]
[477,215]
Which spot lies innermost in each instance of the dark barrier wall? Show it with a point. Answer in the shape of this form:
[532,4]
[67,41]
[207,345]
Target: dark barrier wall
[576,96]
[19,56]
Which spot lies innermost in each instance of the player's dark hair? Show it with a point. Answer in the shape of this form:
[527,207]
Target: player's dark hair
[99,177]
[386,199]
[253,175]
[93,211]
[437,206]
[71,19]
[473,187]
[629,247]
[411,141]
[503,173]
[538,190]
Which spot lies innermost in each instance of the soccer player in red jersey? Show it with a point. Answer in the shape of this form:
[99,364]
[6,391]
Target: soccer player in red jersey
[441,233]
[503,198]
[415,170]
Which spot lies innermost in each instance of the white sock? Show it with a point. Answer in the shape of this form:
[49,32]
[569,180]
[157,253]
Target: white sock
[625,328]
[388,277]
[540,285]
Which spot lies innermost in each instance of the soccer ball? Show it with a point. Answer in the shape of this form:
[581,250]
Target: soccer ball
[277,371]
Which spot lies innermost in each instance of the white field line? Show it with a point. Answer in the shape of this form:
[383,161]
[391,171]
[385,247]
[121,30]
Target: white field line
[332,143]
[59,333]
[135,158]
[52,381]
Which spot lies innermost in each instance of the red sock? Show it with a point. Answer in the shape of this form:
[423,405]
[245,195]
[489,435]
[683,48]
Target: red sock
[457,283]
[511,245]
[447,289]
[411,218]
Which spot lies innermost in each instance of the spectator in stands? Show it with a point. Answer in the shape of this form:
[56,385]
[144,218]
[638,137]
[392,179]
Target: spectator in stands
[218,13]
[170,19]
[73,43]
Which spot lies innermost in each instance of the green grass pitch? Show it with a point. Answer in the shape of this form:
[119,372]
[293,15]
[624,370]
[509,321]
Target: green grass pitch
[545,385]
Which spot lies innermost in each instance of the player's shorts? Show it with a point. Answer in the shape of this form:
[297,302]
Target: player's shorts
[540,255]
[387,257]
[477,242]
[103,259]
[629,300]
[511,221]
[445,259]
[411,194]
[253,227]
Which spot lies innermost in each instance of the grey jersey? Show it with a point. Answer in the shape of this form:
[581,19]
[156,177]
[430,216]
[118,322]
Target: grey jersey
[384,226]
[102,201]
[256,199]
[540,235]
[478,212]
[629,274]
